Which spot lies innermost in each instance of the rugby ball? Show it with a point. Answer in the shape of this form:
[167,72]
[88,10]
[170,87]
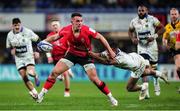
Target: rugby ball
[44,46]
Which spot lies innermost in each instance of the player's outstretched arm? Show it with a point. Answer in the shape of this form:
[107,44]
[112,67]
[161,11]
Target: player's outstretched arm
[98,57]
[52,38]
[106,45]
[133,38]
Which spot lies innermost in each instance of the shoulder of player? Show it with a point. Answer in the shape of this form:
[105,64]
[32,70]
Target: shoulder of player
[167,25]
[178,24]
[135,19]
[26,30]
[10,34]
[88,29]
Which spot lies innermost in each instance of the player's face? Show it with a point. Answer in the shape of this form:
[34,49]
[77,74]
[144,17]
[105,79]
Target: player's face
[77,22]
[17,27]
[174,15]
[55,26]
[142,11]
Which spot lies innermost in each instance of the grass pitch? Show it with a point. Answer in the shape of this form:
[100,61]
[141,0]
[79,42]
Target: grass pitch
[85,96]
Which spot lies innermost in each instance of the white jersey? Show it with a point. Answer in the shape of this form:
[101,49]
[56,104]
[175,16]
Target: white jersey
[22,42]
[145,28]
[132,61]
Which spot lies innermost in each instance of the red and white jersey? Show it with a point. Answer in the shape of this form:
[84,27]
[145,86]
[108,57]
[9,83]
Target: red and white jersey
[78,44]
[59,47]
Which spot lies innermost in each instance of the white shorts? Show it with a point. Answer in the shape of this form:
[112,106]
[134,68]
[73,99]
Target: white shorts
[133,62]
[24,61]
[151,50]
[141,64]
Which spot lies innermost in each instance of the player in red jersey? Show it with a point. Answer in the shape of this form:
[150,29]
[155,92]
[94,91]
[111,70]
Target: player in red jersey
[177,62]
[58,51]
[79,40]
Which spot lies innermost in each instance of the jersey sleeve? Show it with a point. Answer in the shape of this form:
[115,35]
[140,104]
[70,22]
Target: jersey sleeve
[156,21]
[8,44]
[166,33]
[92,32]
[131,25]
[34,37]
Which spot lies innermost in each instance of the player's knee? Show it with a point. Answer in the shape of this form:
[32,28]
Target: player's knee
[31,72]
[147,71]
[54,74]
[129,88]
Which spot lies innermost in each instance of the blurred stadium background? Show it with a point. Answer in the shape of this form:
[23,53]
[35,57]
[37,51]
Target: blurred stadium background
[109,17]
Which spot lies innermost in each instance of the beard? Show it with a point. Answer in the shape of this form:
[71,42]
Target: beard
[142,16]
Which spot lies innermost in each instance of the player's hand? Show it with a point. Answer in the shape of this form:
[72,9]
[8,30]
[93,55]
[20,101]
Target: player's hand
[90,53]
[13,51]
[150,39]
[135,40]
[36,55]
[168,47]
[50,60]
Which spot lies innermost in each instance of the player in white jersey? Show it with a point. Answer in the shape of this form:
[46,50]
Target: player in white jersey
[143,31]
[135,63]
[19,41]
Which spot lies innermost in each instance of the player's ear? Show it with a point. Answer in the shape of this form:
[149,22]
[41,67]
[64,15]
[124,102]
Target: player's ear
[71,20]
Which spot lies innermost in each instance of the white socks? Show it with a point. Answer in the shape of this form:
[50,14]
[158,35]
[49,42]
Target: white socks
[34,91]
[144,85]
[109,95]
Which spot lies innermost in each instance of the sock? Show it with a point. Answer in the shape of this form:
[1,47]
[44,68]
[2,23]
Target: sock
[34,91]
[102,86]
[49,83]
[43,92]
[155,80]
[143,86]
[109,95]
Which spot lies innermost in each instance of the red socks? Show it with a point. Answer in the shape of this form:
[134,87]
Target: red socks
[102,86]
[49,83]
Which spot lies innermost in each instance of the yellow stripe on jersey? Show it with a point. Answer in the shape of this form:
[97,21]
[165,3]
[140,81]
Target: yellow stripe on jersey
[170,33]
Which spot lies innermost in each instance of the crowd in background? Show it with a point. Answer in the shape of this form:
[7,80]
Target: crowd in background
[58,5]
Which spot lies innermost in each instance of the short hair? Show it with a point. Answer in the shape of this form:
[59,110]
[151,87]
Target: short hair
[143,5]
[76,14]
[174,9]
[16,21]
[54,19]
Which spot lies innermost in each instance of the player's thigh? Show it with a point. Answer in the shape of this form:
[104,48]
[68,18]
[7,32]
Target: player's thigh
[62,66]
[22,71]
[91,71]
[30,69]
[177,60]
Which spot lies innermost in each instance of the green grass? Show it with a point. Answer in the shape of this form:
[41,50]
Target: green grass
[85,96]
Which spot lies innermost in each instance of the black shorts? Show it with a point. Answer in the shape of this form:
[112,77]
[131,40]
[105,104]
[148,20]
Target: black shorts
[174,52]
[77,59]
